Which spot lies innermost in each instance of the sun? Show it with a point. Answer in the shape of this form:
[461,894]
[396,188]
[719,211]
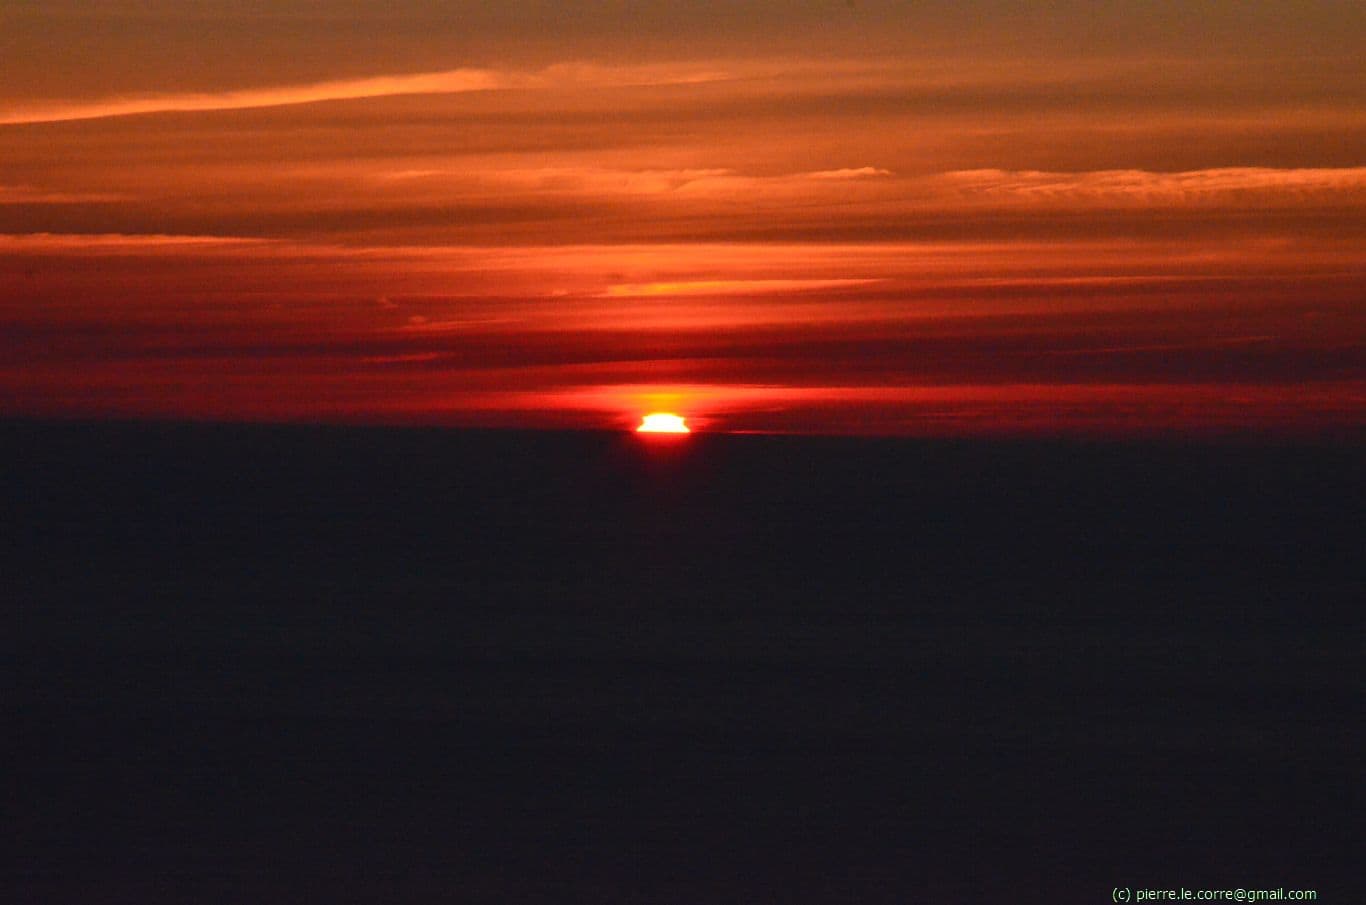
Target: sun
[663,423]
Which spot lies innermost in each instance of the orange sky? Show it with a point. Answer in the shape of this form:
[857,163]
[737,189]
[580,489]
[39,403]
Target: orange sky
[827,217]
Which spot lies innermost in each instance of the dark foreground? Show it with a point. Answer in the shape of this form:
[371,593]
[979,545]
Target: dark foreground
[263,665]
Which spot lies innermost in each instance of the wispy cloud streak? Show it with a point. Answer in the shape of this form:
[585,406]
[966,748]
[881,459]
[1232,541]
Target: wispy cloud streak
[1155,187]
[451,81]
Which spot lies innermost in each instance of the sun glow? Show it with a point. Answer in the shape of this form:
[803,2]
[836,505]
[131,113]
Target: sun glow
[663,423]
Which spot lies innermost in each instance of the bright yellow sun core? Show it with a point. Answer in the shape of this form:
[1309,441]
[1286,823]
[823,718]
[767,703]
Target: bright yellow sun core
[663,423]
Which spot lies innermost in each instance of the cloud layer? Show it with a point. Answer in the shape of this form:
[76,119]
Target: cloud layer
[774,227]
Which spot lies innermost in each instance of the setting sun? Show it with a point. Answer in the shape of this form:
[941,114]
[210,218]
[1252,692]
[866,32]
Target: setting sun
[663,423]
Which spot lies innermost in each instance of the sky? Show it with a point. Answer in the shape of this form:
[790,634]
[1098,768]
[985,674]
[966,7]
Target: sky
[932,218]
